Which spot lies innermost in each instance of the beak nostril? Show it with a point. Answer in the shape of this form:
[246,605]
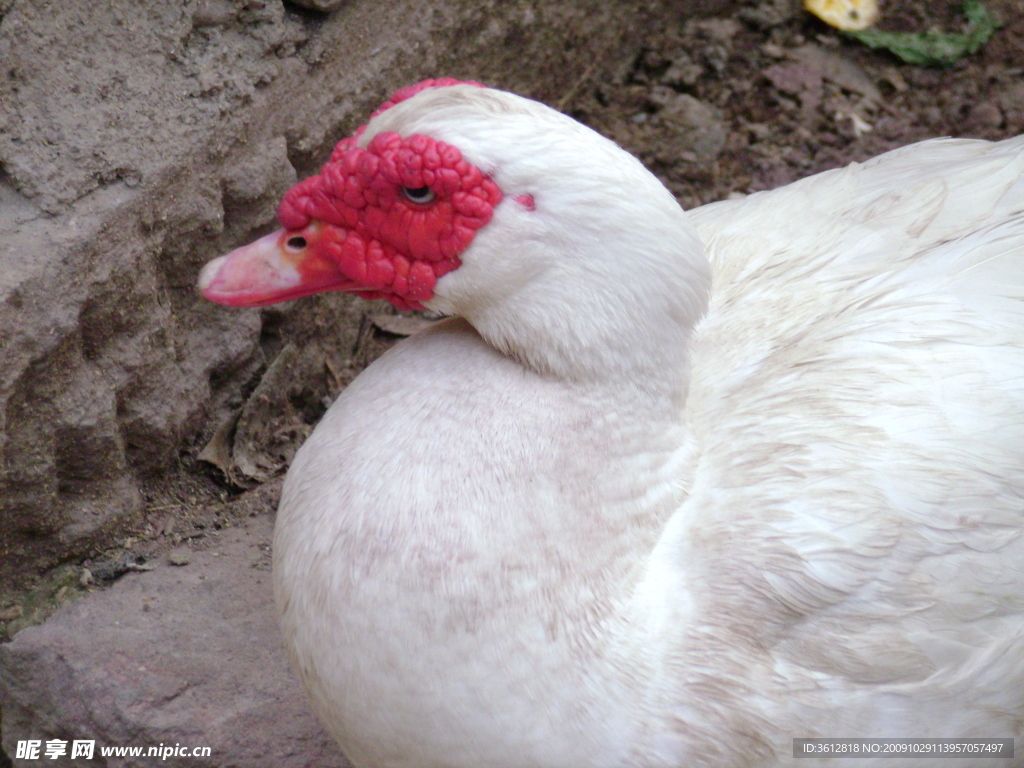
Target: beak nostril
[296,243]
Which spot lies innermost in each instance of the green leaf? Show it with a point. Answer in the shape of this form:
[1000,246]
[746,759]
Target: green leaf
[936,48]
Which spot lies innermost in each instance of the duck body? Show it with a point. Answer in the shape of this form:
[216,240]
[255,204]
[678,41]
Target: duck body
[676,488]
[511,593]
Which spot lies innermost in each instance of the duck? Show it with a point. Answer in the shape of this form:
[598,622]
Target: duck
[665,488]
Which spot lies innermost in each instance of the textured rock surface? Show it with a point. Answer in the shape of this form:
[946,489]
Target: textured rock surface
[185,655]
[138,140]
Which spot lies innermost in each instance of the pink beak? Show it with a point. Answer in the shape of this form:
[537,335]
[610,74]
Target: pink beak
[282,266]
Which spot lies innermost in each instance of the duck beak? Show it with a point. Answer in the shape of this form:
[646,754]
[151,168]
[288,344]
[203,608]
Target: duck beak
[282,266]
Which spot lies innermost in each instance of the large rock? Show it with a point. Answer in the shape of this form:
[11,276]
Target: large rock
[138,140]
[181,655]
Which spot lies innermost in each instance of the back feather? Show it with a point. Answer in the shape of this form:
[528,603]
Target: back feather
[858,398]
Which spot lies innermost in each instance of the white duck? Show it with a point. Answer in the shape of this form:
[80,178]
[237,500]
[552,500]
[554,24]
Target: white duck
[672,489]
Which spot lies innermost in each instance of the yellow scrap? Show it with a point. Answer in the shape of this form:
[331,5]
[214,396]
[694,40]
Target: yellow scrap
[847,15]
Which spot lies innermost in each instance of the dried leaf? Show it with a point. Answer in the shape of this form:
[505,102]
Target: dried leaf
[218,451]
[269,429]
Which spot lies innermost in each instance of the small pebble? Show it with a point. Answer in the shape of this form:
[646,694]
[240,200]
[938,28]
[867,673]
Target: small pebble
[986,115]
[179,557]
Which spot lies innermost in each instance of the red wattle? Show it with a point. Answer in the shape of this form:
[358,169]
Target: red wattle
[394,247]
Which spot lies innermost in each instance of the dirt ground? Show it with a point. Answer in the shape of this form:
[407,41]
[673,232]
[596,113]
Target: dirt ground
[716,108]
[794,97]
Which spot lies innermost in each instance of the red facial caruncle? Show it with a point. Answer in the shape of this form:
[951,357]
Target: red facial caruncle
[384,221]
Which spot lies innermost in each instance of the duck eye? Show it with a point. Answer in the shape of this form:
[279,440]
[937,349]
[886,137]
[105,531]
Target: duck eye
[421,195]
[296,243]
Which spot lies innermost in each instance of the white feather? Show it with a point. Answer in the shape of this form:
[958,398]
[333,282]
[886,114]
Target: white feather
[660,503]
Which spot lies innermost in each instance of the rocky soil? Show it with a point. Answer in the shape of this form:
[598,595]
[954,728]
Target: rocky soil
[769,94]
[742,97]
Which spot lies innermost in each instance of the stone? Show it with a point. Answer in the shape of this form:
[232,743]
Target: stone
[179,557]
[1011,100]
[683,72]
[699,128]
[324,6]
[173,656]
[838,69]
[984,115]
[797,79]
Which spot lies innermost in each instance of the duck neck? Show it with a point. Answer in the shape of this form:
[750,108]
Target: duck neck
[619,325]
